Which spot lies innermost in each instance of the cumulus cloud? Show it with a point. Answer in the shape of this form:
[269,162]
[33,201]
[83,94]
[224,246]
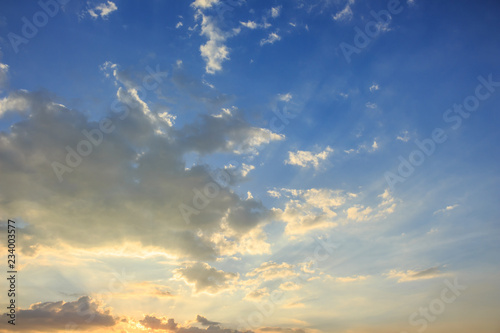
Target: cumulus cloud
[205,322]
[374,87]
[309,209]
[158,323]
[204,3]
[138,166]
[306,159]
[271,39]
[85,313]
[205,278]
[214,51]
[314,209]
[385,207]
[410,275]
[249,24]
[102,10]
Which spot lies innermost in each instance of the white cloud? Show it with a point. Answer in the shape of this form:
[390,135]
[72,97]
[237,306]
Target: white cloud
[204,3]
[249,24]
[310,209]
[345,14]
[446,209]
[103,10]
[274,194]
[361,212]
[271,39]
[374,87]
[275,11]
[404,136]
[285,97]
[178,25]
[307,159]
[371,105]
[214,51]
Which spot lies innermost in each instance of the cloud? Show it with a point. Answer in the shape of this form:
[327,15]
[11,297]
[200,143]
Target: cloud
[275,11]
[225,132]
[409,275]
[285,97]
[371,105]
[257,295]
[446,209]
[142,159]
[103,10]
[271,39]
[360,212]
[249,24]
[85,313]
[349,279]
[289,285]
[307,159]
[179,24]
[404,136]
[374,87]
[214,51]
[204,321]
[272,270]
[280,330]
[204,3]
[158,323]
[162,323]
[4,70]
[309,209]
[205,278]
[345,14]
[274,194]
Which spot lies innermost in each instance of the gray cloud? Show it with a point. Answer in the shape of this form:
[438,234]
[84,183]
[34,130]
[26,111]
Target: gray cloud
[83,313]
[206,278]
[131,185]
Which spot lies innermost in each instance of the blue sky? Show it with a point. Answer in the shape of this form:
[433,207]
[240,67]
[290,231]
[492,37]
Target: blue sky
[172,161]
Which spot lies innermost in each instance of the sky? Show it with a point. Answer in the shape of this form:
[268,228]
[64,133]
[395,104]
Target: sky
[230,166]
